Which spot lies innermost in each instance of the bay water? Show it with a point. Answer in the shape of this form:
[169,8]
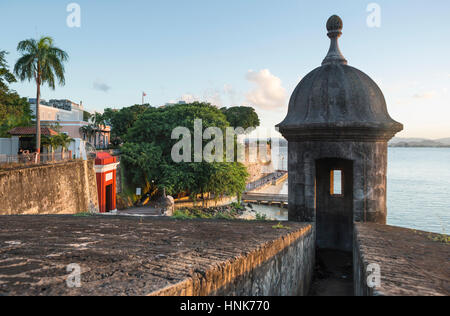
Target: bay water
[418,189]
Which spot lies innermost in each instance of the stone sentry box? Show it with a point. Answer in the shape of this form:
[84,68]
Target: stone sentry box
[337,121]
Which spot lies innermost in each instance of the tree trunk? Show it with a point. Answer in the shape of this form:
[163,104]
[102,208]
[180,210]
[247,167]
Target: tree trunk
[38,119]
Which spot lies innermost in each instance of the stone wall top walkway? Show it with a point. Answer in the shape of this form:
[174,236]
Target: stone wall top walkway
[124,255]
[411,262]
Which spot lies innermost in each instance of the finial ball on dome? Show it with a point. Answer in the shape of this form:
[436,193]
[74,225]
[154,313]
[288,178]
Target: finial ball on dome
[335,24]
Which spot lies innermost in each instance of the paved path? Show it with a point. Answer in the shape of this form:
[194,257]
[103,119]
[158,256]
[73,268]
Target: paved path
[265,197]
[140,211]
[334,275]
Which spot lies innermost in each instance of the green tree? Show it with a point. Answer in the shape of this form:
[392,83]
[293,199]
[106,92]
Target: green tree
[14,110]
[148,148]
[64,140]
[122,120]
[51,143]
[6,76]
[145,160]
[98,121]
[54,142]
[42,62]
[241,116]
[86,116]
[87,131]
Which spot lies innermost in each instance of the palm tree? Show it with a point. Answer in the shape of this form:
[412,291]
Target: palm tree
[54,142]
[64,141]
[43,63]
[49,143]
[98,123]
[87,131]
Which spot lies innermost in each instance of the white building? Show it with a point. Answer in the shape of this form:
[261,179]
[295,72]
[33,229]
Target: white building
[59,110]
[69,116]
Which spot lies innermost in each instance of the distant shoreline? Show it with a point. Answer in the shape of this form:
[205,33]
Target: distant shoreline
[403,143]
[417,146]
[407,146]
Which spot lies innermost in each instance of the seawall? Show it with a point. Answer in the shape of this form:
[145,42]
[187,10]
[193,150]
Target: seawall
[187,203]
[281,267]
[60,188]
[258,161]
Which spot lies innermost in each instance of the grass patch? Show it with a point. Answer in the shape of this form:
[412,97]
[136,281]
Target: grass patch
[280,226]
[445,239]
[86,214]
[188,214]
[261,217]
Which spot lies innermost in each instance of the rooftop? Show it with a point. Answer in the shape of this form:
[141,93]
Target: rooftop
[338,101]
[28,131]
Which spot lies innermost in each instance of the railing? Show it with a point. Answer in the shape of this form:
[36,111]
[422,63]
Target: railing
[265,197]
[55,157]
[34,158]
[270,178]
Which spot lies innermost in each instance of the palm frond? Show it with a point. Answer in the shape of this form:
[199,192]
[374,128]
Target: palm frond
[25,67]
[45,42]
[41,60]
[48,76]
[28,46]
[57,67]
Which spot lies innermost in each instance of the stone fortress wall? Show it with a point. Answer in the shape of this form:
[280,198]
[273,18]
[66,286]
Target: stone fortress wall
[61,188]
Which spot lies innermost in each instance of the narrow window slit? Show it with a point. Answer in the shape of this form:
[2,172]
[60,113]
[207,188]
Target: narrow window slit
[336,186]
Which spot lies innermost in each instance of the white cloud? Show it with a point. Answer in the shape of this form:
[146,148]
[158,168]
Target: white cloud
[269,93]
[425,95]
[101,86]
[213,96]
[210,96]
[231,95]
[401,101]
[228,88]
[189,98]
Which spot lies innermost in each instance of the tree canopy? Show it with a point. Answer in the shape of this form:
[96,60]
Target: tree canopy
[41,62]
[14,110]
[122,120]
[6,76]
[148,148]
[241,116]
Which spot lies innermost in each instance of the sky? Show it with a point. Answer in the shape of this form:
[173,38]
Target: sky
[239,52]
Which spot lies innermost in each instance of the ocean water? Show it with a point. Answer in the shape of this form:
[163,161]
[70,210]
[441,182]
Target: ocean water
[418,189]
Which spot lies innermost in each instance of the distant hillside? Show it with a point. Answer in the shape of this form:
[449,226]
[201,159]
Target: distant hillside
[396,140]
[445,141]
[419,142]
[399,142]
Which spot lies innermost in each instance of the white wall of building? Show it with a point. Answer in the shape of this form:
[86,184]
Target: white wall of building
[49,113]
[78,148]
[9,146]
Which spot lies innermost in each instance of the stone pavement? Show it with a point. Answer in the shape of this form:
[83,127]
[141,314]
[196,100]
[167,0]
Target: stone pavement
[140,211]
[120,255]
